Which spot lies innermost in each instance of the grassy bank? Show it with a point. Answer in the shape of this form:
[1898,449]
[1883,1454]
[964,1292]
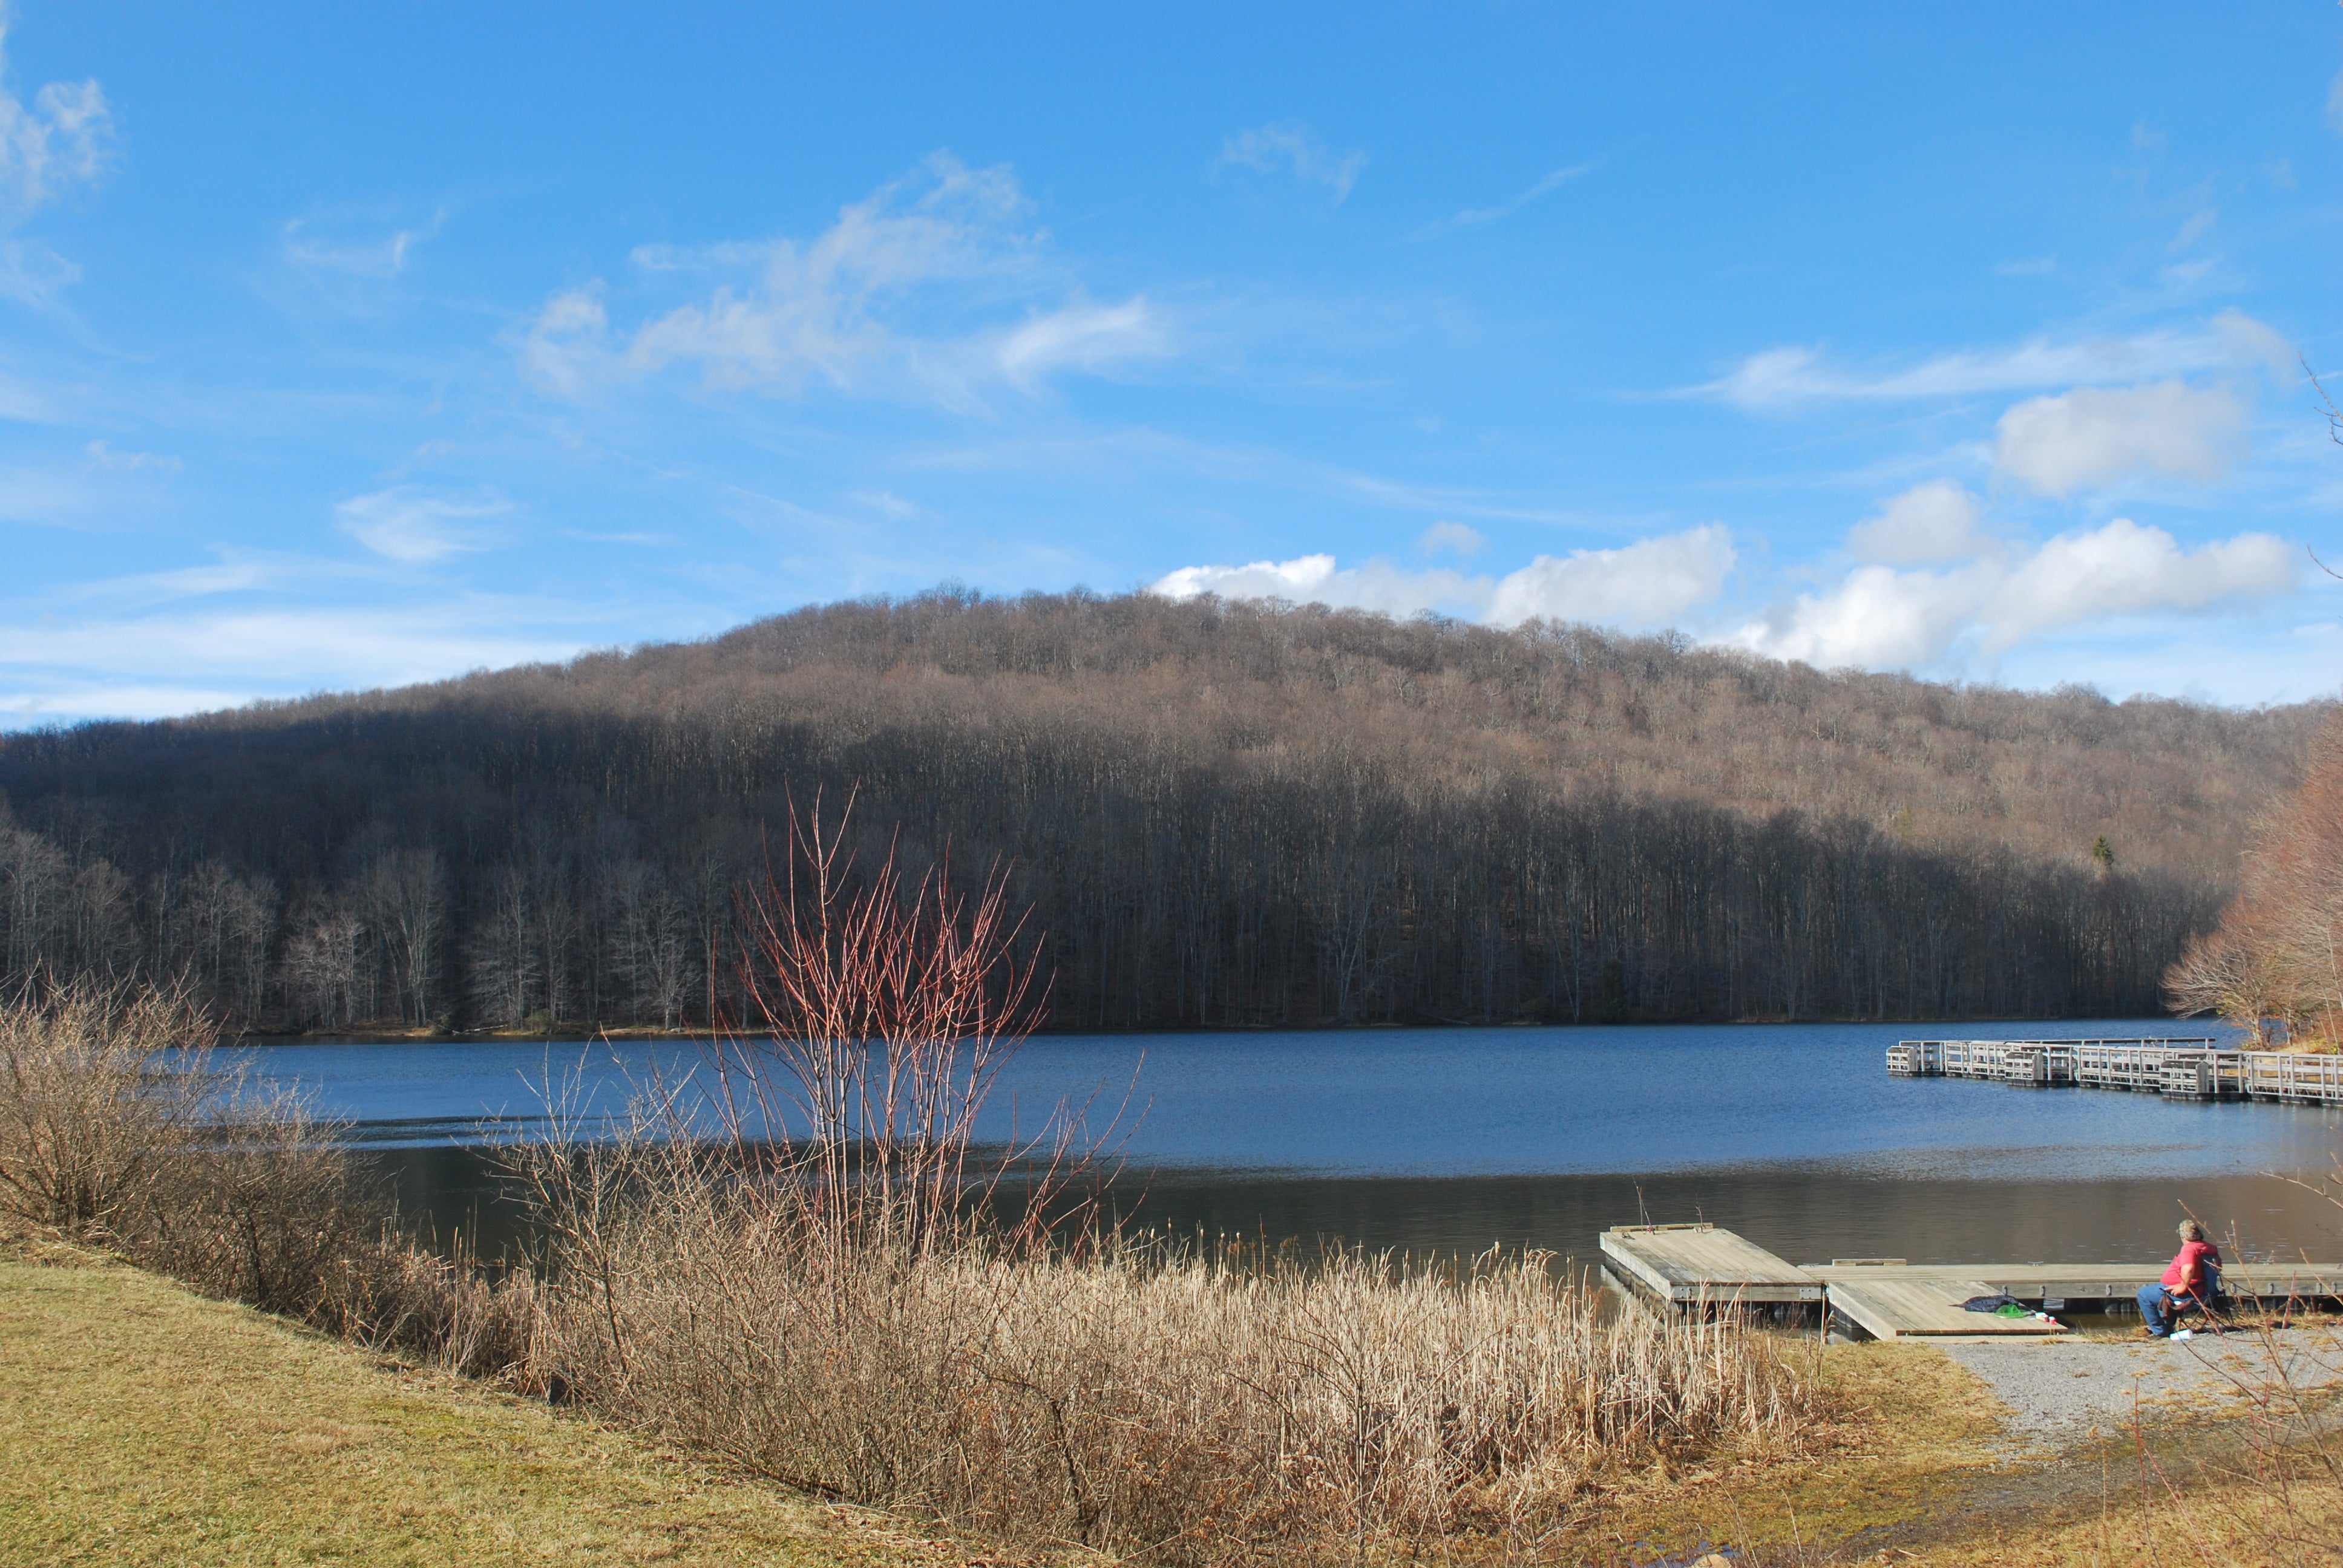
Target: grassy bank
[141,1424]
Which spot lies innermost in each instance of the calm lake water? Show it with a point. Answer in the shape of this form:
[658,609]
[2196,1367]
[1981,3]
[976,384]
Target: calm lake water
[1442,1140]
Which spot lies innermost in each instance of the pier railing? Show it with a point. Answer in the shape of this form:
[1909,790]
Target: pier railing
[2192,1067]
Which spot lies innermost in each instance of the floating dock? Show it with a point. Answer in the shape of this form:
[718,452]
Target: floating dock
[1693,1269]
[2181,1066]
[1689,1266]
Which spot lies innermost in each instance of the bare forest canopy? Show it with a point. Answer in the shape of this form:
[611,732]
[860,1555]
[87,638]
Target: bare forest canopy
[1220,814]
[2273,965]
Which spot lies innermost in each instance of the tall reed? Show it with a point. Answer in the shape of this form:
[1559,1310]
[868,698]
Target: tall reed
[1182,1405]
[824,1298]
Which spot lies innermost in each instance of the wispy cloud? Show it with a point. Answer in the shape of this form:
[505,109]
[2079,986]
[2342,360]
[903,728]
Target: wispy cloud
[1456,536]
[1471,217]
[1787,377]
[65,139]
[358,246]
[108,665]
[99,455]
[1287,146]
[875,306]
[416,527]
[2198,225]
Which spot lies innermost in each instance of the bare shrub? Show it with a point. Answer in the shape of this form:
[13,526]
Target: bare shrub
[1171,1405]
[822,1300]
[91,1115]
[888,1010]
[116,1131]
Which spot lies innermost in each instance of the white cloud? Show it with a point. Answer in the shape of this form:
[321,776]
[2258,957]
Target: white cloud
[415,527]
[1316,579]
[2122,568]
[565,351]
[1879,617]
[1445,535]
[2093,437]
[65,139]
[1929,523]
[875,305]
[1787,377]
[1080,337]
[1645,584]
[1882,619]
[1282,145]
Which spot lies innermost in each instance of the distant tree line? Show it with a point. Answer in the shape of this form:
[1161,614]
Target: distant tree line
[1220,814]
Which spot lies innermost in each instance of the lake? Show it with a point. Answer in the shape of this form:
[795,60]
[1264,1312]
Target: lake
[1442,1140]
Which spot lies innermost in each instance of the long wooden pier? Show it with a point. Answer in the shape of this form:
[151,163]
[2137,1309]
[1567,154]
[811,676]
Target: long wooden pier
[2181,1067]
[1689,1270]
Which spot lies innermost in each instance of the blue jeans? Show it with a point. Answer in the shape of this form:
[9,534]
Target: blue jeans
[2151,1310]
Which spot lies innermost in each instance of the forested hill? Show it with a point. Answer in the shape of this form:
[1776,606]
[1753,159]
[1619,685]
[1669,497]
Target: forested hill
[1220,814]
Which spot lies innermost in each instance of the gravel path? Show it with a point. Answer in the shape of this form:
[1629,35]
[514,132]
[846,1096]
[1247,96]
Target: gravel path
[2059,1390]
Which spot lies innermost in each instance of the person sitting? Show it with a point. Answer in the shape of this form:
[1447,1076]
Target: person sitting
[2192,1279]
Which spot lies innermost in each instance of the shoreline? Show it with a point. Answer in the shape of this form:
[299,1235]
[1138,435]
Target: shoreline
[151,1423]
[371,1035]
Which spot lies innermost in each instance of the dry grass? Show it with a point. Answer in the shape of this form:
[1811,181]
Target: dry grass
[141,1424]
[869,1343]
[115,1131]
[820,1300]
[1161,1404]
[1905,1467]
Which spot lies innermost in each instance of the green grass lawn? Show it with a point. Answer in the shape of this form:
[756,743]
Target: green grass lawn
[140,1423]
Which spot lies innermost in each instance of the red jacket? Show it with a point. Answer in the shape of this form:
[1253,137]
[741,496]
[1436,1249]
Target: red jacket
[2187,1271]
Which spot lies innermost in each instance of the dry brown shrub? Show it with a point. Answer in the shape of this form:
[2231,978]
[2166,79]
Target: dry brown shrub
[91,1110]
[821,1299]
[116,1131]
[1159,1402]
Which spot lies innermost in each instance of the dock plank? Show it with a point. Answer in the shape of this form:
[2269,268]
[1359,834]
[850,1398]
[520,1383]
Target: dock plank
[1890,1307]
[1686,1263]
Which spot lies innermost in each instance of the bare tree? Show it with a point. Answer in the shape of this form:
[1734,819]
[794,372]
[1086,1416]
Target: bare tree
[402,890]
[321,965]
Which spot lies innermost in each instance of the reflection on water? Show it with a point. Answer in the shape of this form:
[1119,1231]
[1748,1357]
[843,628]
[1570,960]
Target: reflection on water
[1809,1214]
[1451,1139]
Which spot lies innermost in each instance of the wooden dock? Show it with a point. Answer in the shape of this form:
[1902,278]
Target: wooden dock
[1697,1269]
[2181,1066]
[1693,1265]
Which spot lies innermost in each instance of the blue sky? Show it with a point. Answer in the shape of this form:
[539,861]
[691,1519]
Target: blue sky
[347,345]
